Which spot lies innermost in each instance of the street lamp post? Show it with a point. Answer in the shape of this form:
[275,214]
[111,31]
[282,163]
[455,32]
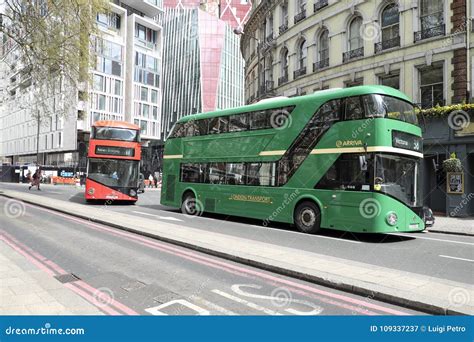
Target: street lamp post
[240,32]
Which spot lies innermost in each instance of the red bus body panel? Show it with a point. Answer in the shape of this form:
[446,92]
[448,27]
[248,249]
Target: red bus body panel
[97,191]
[102,192]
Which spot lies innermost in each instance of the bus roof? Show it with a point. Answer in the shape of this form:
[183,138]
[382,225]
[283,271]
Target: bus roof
[115,124]
[318,96]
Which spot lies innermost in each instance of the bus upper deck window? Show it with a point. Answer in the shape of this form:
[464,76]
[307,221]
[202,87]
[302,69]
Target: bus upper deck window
[374,106]
[354,108]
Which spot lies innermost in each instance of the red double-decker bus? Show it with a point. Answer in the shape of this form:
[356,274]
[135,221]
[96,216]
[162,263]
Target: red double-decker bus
[113,164]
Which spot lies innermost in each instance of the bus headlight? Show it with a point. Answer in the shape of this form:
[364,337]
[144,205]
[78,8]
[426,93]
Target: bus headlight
[392,218]
[91,191]
[133,193]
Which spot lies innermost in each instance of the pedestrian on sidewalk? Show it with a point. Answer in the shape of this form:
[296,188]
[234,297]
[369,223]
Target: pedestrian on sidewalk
[36,179]
[155,179]
[150,180]
[28,178]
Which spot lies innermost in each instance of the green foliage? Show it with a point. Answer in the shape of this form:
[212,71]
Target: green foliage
[52,39]
[452,164]
[443,111]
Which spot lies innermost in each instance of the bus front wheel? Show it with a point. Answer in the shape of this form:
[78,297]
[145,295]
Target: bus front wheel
[307,217]
[190,205]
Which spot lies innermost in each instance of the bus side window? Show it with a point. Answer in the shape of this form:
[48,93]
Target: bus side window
[217,173]
[330,111]
[354,109]
[213,126]
[202,126]
[235,174]
[238,123]
[261,174]
[260,120]
[190,173]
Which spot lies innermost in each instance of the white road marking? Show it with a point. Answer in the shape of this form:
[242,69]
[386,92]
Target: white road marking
[451,257]
[156,310]
[246,302]
[212,305]
[306,235]
[169,218]
[315,309]
[433,239]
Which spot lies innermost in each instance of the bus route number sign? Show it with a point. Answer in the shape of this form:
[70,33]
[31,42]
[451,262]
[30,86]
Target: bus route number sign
[115,151]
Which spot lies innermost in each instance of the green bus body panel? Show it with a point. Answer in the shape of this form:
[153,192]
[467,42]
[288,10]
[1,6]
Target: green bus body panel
[278,203]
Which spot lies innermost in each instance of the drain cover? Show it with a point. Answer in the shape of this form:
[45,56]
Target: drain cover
[67,278]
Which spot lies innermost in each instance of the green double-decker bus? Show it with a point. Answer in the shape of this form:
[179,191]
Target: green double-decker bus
[346,159]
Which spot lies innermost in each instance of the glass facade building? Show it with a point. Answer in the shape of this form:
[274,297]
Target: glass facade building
[203,69]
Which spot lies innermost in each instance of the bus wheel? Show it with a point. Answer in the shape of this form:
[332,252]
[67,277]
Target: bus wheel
[190,205]
[307,217]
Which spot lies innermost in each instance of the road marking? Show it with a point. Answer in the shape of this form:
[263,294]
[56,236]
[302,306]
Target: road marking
[306,235]
[212,305]
[451,257]
[286,299]
[433,239]
[169,218]
[156,310]
[246,302]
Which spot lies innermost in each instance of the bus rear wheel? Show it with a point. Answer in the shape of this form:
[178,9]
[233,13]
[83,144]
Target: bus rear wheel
[307,218]
[190,205]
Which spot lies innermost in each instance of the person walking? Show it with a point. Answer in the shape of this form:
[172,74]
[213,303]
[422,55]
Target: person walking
[28,178]
[150,180]
[36,179]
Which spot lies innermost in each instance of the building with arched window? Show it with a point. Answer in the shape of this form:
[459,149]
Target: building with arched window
[425,48]
[416,46]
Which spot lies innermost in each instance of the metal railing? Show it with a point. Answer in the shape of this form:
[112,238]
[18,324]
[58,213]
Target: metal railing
[320,4]
[347,56]
[300,16]
[282,80]
[283,28]
[321,64]
[299,72]
[430,32]
[387,44]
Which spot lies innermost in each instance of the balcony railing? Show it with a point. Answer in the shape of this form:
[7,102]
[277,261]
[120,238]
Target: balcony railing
[387,44]
[299,72]
[283,28]
[282,80]
[347,56]
[320,4]
[300,16]
[321,65]
[431,32]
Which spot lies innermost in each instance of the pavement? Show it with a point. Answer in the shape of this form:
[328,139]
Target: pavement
[26,290]
[453,225]
[430,292]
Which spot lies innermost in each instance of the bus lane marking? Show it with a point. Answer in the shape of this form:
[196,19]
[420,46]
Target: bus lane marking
[433,239]
[169,218]
[156,309]
[247,303]
[315,309]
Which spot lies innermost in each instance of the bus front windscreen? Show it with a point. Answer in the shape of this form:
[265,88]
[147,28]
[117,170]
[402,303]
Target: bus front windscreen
[114,173]
[399,177]
[112,133]
[390,107]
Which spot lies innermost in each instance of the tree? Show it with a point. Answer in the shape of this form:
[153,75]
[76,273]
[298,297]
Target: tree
[52,41]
